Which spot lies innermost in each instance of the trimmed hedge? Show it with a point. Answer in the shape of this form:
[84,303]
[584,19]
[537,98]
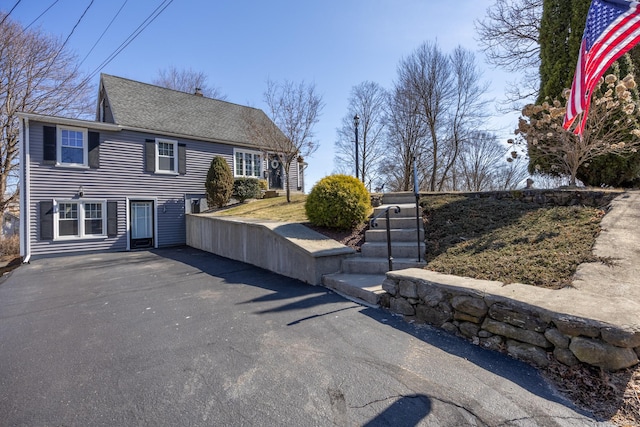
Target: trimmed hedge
[338,201]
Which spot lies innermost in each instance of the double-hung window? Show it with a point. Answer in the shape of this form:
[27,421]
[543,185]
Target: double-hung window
[75,219]
[72,146]
[166,156]
[247,164]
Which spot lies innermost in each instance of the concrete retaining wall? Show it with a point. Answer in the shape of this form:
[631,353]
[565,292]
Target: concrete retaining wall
[292,250]
[532,324]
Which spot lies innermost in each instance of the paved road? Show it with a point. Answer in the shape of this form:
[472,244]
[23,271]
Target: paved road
[180,337]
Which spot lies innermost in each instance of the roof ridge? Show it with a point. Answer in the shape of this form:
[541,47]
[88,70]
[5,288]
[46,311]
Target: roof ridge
[147,106]
[178,91]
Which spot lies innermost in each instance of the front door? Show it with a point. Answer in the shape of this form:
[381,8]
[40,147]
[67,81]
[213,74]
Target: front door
[275,172]
[141,224]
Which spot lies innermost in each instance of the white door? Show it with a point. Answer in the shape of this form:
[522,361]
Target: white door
[141,224]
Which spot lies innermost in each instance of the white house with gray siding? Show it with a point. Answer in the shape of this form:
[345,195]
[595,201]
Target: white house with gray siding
[126,180]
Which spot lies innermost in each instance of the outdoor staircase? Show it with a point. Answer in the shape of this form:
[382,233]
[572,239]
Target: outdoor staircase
[362,275]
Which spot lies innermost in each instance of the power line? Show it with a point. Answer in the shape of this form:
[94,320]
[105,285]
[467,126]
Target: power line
[152,17]
[76,26]
[40,16]
[7,15]
[51,62]
[103,33]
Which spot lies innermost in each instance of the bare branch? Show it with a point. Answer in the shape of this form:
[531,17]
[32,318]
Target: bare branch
[294,110]
[37,75]
[368,101]
[187,80]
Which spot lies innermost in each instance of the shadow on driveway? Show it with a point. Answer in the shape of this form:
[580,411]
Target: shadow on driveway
[297,295]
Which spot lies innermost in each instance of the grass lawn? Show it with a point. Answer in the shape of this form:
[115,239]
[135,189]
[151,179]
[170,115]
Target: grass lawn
[508,240]
[503,240]
[275,208]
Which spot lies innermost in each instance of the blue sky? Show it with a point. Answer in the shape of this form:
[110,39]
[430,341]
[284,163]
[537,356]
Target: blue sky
[239,44]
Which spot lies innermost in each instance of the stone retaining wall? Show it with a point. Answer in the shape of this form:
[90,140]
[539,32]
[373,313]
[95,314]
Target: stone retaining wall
[553,197]
[530,328]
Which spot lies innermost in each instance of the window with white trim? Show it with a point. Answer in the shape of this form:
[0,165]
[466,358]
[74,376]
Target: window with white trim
[247,163]
[77,219]
[73,146]
[166,156]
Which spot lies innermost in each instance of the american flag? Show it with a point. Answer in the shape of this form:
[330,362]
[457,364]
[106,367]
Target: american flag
[612,28]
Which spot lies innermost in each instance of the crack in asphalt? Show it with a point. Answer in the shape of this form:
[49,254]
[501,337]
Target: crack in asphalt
[384,399]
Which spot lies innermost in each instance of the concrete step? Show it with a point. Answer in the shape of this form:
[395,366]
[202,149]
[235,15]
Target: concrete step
[398,250]
[399,198]
[408,222]
[368,265]
[362,287]
[397,235]
[407,210]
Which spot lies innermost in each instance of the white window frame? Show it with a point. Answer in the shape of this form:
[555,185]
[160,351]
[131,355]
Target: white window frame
[237,151]
[81,218]
[85,146]
[175,156]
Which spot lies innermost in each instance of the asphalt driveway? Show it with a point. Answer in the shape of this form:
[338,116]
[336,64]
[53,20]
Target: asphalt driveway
[180,337]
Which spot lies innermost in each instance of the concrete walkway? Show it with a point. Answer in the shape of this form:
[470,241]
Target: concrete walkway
[619,241]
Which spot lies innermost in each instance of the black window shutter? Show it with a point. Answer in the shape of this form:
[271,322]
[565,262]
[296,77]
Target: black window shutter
[182,159]
[94,149]
[49,153]
[150,155]
[46,220]
[112,219]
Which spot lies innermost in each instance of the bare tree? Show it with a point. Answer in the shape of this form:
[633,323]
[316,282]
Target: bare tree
[187,80]
[294,110]
[37,75]
[509,38]
[448,93]
[480,161]
[405,135]
[367,100]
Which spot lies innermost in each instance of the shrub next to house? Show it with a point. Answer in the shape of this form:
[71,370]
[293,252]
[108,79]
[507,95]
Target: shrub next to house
[219,184]
[246,188]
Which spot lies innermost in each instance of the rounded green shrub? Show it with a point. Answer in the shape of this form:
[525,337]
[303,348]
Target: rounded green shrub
[338,201]
[219,183]
[246,188]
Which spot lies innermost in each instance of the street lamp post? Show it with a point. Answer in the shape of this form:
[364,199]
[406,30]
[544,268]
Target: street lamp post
[356,122]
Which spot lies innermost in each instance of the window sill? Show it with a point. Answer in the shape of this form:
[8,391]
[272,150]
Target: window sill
[71,166]
[77,238]
[170,173]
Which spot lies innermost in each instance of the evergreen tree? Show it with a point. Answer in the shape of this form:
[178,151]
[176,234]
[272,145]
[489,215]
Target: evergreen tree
[556,64]
[219,184]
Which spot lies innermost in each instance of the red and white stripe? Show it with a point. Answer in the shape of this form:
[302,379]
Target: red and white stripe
[617,39]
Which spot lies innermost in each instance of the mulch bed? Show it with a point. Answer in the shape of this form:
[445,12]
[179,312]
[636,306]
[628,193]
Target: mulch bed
[352,238]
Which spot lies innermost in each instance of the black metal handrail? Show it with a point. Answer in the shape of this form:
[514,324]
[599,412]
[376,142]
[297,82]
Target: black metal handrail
[373,223]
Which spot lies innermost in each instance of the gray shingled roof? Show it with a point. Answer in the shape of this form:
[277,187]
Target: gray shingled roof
[141,105]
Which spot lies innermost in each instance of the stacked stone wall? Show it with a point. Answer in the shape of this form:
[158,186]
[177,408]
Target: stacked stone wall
[549,197]
[527,332]
[527,327]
